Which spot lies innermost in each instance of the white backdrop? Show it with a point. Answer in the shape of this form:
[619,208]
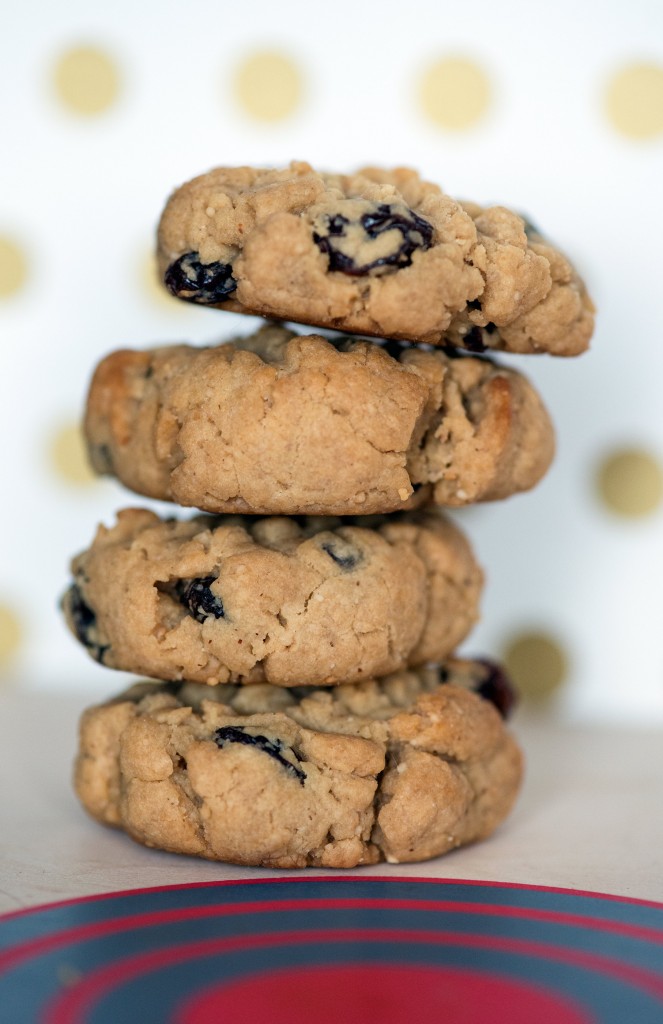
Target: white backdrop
[556,110]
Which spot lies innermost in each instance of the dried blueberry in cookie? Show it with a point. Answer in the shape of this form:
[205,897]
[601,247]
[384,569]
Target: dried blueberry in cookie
[207,283]
[496,687]
[198,599]
[372,238]
[344,554]
[83,622]
[101,457]
[473,340]
[236,734]
[483,677]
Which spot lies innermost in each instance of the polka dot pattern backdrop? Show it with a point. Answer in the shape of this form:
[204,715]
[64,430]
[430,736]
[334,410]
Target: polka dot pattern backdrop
[106,108]
[86,80]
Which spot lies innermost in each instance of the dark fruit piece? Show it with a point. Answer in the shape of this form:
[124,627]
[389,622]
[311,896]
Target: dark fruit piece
[473,340]
[342,553]
[490,682]
[497,687]
[83,622]
[103,459]
[416,233]
[209,282]
[236,734]
[198,599]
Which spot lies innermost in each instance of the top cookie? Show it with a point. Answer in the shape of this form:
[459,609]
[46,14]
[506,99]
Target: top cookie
[379,252]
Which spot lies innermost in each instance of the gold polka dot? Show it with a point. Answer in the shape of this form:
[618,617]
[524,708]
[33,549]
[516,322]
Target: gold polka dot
[11,634]
[537,664]
[634,100]
[454,93]
[69,457]
[268,86]
[630,482]
[86,80]
[13,267]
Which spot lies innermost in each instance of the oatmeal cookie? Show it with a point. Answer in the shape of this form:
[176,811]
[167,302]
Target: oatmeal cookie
[289,602]
[277,424]
[403,769]
[378,252]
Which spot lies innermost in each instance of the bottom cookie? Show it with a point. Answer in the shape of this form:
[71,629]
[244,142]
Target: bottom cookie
[400,769]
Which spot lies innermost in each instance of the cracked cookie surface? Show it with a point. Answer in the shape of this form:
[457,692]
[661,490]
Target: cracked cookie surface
[379,252]
[316,601]
[403,769]
[278,423]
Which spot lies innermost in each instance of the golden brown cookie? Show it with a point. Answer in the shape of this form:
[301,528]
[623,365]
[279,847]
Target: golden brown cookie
[290,602]
[281,424]
[378,252]
[401,770]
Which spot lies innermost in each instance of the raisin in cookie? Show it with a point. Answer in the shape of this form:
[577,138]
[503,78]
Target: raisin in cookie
[281,424]
[277,600]
[378,252]
[403,769]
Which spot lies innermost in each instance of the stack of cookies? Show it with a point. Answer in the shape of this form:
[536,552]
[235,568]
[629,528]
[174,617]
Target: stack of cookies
[305,706]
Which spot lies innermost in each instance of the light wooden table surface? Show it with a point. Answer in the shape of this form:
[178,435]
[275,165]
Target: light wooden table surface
[590,817]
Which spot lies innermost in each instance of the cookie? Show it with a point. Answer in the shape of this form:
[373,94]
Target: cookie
[281,424]
[379,252]
[276,600]
[400,770]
